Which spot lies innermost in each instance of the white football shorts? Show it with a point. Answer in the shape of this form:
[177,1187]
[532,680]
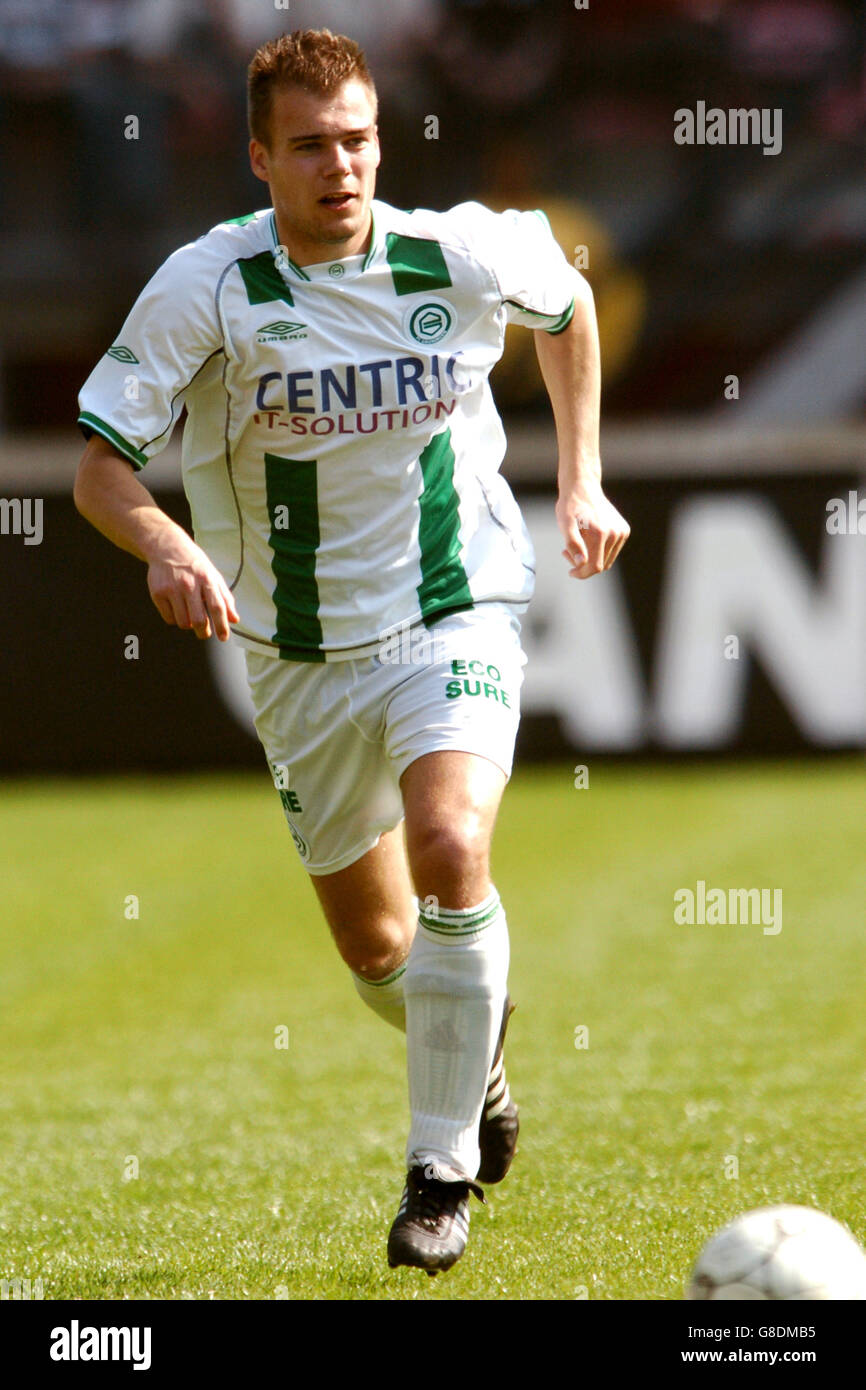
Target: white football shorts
[339,735]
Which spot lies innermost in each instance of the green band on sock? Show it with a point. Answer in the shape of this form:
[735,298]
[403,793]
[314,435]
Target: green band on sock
[448,922]
[388,980]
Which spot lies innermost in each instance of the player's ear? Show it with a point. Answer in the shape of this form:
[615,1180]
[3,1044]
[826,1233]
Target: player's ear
[259,160]
[378,147]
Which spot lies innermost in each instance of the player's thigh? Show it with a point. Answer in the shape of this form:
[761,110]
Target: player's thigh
[337,788]
[451,799]
[452,725]
[370,908]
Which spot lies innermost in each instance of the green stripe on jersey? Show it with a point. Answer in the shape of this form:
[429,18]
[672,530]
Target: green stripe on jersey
[93,423]
[262,280]
[563,321]
[293,510]
[443,578]
[417,264]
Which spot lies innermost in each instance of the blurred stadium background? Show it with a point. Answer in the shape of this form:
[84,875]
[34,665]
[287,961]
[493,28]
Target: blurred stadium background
[731,290]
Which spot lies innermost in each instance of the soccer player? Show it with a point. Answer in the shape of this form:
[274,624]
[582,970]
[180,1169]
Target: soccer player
[340,457]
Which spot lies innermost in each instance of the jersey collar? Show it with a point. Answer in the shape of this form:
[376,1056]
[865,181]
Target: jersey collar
[299,270]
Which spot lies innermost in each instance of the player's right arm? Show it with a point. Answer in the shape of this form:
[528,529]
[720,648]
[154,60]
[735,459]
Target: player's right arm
[128,409]
[188,590]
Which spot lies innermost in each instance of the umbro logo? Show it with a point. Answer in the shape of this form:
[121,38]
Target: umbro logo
[122,354]
[280,331]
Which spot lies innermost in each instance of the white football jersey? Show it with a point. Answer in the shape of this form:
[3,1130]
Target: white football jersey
[341,450]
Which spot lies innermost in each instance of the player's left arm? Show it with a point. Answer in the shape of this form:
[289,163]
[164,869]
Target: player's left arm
[593,530]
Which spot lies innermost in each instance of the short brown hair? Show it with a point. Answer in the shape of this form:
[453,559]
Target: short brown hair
[314,59]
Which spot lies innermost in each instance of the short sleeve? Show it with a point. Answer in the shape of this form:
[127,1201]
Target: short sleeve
[134,395]
[537,284]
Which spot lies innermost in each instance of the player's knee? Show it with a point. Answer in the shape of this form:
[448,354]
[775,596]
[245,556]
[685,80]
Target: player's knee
[449,853]
[375,954]
[374,965]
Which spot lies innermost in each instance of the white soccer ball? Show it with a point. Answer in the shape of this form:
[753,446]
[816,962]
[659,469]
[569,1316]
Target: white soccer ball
[784,1253]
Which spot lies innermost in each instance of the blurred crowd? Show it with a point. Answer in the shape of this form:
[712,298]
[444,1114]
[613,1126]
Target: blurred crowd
[537,102]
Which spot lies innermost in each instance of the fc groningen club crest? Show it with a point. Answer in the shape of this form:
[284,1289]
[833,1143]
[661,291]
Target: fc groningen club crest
[429,323]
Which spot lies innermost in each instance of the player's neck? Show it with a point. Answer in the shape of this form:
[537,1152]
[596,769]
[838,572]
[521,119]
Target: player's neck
[315,252]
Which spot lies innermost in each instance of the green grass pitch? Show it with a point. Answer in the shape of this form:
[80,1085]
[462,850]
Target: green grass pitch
[158,1144]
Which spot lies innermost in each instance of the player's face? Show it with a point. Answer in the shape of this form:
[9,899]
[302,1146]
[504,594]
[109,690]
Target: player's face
[320,164]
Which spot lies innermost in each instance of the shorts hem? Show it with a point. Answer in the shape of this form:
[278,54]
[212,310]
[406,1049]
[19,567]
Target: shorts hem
[438,746]
[344,861]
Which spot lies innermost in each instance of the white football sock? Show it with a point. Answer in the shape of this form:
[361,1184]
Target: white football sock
[455,986]
[385,997]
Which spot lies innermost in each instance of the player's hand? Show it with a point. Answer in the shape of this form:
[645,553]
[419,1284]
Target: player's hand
[593,530]
[189,591]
